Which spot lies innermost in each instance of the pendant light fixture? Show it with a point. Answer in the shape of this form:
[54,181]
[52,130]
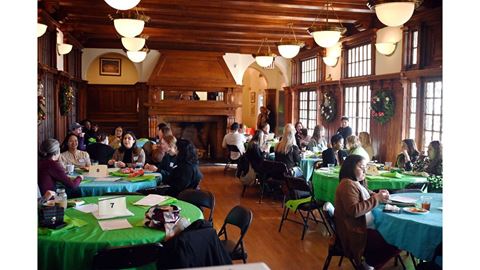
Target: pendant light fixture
[289,48]
[387,39]
[64,48]
[122,4]
[394,12]
[264,59]
[129,24]
[327,34]
[137,56]
[41,29]
[133,44]
[332,55]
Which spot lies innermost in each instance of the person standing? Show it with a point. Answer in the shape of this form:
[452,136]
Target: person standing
[345,130]
[262,118]
[272,118]
[234,138]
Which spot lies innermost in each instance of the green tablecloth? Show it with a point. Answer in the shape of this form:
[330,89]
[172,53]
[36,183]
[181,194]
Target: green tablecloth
[75,248]
[325,184]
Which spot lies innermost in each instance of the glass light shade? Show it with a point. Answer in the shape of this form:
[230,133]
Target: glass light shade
[394,13]
[330,61]
[129,27]
[122,4]
[133,44]
[264,60]
[326,39]
[391,34]
[288,50]
[64,48]
[41,29]
[137,57]
[385,48]
[335,50]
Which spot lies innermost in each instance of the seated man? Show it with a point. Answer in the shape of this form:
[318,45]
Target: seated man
[335,154]
[100,151]
[234,138]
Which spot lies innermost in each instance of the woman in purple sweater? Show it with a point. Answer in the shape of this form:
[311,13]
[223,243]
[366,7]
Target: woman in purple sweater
[50,170]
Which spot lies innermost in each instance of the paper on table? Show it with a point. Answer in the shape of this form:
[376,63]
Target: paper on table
[151,200]
[402,199]
[107,179]
[115,224]
[127,213]
[87,208]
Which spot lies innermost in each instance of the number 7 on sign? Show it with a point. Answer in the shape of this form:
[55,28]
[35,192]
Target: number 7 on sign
[114,206]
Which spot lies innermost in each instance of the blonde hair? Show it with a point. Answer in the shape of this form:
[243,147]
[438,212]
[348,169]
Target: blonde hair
[353,141]
[288,140]
[171,141]
[365,139]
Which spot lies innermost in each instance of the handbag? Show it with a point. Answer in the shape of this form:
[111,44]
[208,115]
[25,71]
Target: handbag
[296,171]
[157,216]
[51,216]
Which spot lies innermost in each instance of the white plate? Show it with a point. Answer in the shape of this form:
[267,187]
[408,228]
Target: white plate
[409,210]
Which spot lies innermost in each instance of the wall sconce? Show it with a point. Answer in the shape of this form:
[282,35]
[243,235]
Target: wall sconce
[41,29]
[387,39]
[64,48]
[332,55]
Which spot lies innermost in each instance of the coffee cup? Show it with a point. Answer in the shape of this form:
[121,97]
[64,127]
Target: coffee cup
[70,168]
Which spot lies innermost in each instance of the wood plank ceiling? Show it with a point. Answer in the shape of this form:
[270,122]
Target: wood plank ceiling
[235,26]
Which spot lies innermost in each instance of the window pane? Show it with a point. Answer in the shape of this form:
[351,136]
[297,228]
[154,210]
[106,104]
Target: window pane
[414,90]
[436,136]
[428,122]
[438,106]
[438,89]
[412,120]
[412,133]
[429,106]
[413,106]
[436,123]
[429,90]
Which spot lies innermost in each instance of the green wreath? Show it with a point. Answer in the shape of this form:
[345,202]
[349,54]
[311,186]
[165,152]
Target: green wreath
[328,110]
[66,99]
[383,106]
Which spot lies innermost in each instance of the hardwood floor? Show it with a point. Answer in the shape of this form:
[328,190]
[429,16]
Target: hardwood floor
[263,242]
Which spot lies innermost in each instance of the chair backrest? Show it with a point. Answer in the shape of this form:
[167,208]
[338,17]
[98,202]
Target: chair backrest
[127,256]
[297,187]
[240,217]
[199,198]
[328,211]
[233,148]
[274,169]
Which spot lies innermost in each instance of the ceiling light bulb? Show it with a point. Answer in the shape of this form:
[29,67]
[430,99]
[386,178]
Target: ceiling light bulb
[122,4]
[133,44]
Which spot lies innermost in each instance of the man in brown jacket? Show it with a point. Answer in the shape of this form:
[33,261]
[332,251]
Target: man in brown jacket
[353,205]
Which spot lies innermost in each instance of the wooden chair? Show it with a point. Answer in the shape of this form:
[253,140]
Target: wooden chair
[199,198]
[127,256]
[240,217]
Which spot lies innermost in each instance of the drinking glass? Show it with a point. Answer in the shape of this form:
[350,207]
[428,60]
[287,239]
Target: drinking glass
[388,165]
[426,201]
[330,167]
[70,169]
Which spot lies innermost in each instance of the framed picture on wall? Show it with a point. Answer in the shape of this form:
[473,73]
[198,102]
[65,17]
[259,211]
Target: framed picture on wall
[252,97]
[110,66]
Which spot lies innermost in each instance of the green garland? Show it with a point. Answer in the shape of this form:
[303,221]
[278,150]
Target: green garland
[328,109]
[383,106]
[66,99]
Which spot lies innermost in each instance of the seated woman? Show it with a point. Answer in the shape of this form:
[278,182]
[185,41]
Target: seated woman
[165,166]
[366,142]
[408,156]
[186,173]
[433,163]
[335,154]
[354,147]
[100,151]
[353,217]
[301,137]
[318,143]
[115,140]
[286,150]
[128,154]
[152,149]
[71,155]
[50,171]
[254,152]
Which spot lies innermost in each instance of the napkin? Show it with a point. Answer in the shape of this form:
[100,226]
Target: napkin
[391,208]
[71,223]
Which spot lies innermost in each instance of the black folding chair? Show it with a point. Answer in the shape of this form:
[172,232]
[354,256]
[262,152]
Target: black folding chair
[231,149]
[199,198]
[298,188]
[272,177]
[127,256]
[431,265]
[240,217]
[159,190]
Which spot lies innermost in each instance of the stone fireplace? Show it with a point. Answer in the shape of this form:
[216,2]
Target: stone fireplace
[204,122]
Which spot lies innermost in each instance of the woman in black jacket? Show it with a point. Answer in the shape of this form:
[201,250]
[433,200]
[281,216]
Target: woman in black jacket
[254,153]
[186,173]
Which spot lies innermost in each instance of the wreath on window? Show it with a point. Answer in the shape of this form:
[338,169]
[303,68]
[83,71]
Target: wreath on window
[383,106]
[66,99]
[42,103]
[328,109]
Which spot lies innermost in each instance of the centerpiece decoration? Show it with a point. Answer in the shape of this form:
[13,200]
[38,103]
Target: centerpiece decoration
[66,99]
[42,103]
[329,107]
[382,106]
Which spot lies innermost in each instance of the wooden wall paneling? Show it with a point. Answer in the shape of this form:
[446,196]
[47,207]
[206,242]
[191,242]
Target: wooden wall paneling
[142,98]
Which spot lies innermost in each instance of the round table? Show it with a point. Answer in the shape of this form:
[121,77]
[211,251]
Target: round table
[306,164]
[90,187]
[418,234]
[76,247]
[325,183]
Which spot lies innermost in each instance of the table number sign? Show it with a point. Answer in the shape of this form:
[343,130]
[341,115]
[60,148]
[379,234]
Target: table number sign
[112,208]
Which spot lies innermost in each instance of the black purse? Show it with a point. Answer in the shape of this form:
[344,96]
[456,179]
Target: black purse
[51,217]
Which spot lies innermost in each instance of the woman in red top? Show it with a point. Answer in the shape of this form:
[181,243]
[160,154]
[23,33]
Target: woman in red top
[50,171]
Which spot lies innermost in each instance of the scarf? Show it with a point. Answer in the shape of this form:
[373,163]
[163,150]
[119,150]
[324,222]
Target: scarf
[365,196]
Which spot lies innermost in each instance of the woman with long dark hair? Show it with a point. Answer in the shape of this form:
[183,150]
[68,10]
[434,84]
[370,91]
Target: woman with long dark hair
[254,153]
[128,154]
[186,173]
[408,156]
[433,162]
[71,155]
[318,139]
[353,218]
